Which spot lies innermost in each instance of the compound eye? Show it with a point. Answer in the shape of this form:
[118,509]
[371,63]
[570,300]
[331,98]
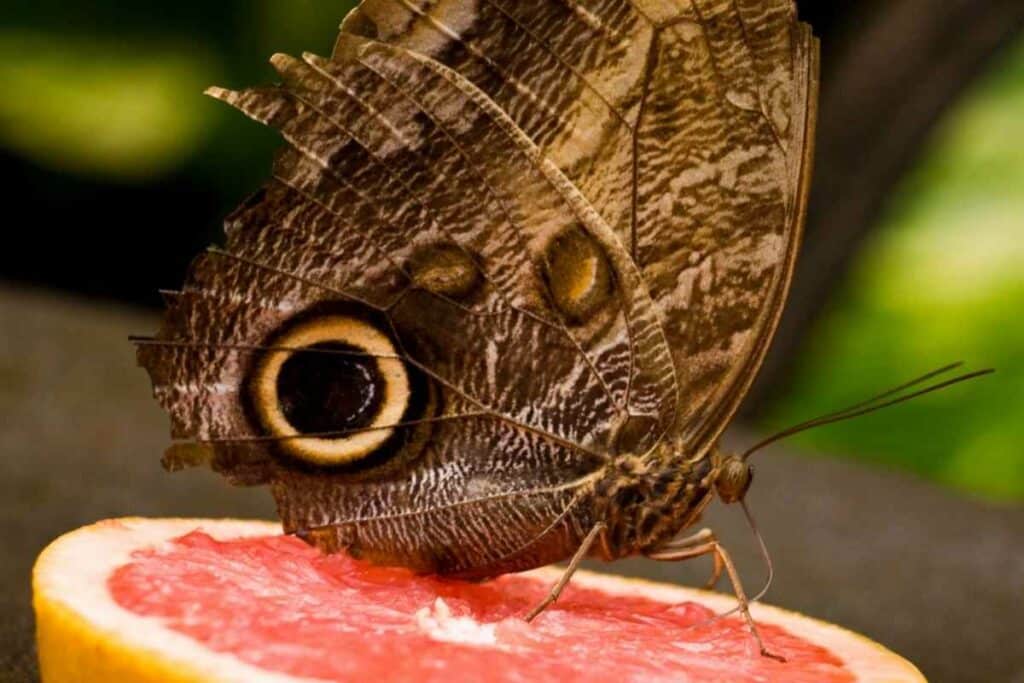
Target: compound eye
[332,391]
[734,480]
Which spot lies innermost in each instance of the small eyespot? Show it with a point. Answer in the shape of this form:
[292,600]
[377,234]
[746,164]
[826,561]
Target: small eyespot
[332,391]
[445,270]
[578,274]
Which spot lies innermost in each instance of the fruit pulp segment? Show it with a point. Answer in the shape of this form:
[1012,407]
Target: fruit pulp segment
[277,604]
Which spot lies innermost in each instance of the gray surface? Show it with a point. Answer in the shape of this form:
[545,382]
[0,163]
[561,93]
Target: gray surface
[938,578]
[80,441]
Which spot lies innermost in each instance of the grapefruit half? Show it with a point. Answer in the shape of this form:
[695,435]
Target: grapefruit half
[141,601]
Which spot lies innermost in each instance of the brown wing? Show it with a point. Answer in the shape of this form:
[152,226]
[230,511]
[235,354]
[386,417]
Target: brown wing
[415,238]
[688,124]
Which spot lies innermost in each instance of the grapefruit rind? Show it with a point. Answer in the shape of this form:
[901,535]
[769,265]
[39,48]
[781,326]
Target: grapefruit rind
[868,660]
[85,637]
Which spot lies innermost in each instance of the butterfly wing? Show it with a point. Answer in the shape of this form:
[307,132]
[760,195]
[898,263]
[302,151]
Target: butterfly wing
[420,332]
[688,125]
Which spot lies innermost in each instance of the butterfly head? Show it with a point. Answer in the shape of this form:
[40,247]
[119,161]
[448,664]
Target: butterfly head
[735,475]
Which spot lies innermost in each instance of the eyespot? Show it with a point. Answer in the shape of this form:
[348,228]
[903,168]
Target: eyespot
[578,274]
[332,390]
[445,269]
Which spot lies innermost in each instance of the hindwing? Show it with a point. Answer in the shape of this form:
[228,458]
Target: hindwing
[411,222]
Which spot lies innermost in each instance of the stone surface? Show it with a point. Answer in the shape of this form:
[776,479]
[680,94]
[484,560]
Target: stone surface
[936,577]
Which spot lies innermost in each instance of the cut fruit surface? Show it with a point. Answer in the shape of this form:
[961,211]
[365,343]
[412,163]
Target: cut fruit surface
[189,600]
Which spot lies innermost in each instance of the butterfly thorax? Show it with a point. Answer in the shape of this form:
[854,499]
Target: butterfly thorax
[649,499]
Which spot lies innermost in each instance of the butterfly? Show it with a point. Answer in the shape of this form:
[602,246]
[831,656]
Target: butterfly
[513,274]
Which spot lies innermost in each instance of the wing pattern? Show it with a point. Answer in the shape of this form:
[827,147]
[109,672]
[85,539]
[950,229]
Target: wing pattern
[390,155]
[568,217]
[688,124]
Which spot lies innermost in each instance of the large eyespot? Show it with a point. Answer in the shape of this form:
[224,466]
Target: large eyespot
[332,391]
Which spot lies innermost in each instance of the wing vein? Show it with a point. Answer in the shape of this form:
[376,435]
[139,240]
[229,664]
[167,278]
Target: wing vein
[489,189]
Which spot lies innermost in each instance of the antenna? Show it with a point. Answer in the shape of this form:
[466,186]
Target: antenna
[873,405]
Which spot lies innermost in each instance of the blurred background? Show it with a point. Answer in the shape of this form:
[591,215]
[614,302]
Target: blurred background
[115,171]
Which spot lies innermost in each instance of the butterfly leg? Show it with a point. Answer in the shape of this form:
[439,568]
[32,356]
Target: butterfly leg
[571,570]
[700,538]
[706,543]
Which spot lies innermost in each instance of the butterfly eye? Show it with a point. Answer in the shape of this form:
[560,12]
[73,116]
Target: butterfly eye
[331,391]
[578,275]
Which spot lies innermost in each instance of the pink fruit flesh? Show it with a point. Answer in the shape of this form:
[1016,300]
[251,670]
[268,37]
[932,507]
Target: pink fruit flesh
[279,605]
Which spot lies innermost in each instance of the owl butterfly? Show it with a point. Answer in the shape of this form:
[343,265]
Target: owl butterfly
[515,270]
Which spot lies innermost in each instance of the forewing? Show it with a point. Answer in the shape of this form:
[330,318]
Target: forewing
[687,124]
[393,156]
